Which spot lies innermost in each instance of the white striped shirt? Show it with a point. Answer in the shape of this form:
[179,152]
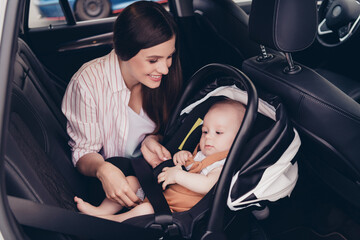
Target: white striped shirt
[95,104]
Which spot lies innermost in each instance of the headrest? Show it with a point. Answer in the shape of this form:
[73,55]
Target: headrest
[284,25]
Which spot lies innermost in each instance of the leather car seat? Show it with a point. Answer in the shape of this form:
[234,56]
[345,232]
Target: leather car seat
[327,118]
[345,84]
[224,28]
[207,29]
[226,22]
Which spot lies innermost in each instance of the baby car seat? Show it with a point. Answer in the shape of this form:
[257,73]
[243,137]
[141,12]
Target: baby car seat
[261,165]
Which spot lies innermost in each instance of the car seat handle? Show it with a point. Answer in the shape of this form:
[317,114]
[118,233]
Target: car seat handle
[215,225]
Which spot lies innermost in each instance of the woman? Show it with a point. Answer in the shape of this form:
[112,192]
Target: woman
[113,102]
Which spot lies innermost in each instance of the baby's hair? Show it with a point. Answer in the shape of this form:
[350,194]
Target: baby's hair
[240,108]
[229,101]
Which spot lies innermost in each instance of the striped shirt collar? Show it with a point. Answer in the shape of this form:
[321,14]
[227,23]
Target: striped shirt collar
[116,80]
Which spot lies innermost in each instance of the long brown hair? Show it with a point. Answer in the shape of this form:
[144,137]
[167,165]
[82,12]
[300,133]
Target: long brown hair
[141,25]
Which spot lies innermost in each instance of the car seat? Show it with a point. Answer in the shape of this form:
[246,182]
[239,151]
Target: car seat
[212,31]
[327,118]
[40,178]
[224,22]
[224,28]
[261,165]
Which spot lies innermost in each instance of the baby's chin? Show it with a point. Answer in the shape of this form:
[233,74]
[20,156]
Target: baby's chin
[208,152]
[211,150]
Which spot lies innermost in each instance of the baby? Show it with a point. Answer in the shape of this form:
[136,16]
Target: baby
[220,126]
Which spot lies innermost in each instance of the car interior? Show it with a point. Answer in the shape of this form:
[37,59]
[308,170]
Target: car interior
[297,56]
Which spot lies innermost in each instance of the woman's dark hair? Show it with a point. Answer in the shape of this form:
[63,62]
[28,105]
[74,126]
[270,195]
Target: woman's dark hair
[142,25]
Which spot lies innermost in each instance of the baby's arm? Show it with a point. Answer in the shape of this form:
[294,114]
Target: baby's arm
[181,157]
[193,181]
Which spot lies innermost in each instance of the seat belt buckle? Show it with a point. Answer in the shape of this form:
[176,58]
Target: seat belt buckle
[164,222]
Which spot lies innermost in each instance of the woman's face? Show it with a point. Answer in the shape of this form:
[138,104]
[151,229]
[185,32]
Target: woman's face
[149,65]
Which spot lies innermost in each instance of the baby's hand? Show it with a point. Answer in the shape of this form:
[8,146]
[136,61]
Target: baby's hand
[168,175]
[181,157]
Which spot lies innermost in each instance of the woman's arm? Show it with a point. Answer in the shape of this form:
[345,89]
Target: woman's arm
[89,164]
[80,106]
[113,180]
[193,181]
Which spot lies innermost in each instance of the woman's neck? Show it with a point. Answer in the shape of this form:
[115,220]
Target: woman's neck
[128,79]
[135,102]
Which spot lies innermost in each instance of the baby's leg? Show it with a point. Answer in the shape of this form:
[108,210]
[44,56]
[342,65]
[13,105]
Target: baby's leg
[142,209]
[107,207]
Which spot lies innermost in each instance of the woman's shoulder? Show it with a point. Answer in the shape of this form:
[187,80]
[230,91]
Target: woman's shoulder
[92,67]
[94,72]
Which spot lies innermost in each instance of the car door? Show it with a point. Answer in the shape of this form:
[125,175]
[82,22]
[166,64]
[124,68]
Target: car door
[62,43]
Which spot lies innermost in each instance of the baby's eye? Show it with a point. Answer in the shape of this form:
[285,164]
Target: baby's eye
[218,132]
[204,132]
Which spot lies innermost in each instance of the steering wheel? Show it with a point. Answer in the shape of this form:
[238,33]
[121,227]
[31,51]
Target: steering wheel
[338,21]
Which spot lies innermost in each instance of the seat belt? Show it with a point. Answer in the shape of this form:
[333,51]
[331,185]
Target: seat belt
[46,217]
[153,191]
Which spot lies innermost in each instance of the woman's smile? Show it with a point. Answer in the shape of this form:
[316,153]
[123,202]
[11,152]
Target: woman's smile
[155,78]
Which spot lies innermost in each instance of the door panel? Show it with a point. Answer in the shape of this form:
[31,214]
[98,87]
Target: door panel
[64,48]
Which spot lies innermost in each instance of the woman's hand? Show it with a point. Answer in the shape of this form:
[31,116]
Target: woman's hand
[153,152]
[169,175]
[181,157]
[116,186]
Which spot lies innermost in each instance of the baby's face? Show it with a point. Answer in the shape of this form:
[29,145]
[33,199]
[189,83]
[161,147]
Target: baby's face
[220,127]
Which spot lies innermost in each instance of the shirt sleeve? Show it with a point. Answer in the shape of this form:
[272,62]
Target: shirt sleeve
[80,108]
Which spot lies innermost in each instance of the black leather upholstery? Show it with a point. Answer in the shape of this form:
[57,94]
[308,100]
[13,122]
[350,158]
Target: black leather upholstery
[287,26]
[223,29]
[315,105]
[349,86]
[46,81]
[38,163]
[229,23]
[292,29]
[328,119]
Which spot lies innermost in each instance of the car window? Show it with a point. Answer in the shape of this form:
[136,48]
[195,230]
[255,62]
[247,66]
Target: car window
[45,13]
[49,12]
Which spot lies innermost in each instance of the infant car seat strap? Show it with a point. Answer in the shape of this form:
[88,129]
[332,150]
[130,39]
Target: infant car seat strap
[153,191]
[197,166]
